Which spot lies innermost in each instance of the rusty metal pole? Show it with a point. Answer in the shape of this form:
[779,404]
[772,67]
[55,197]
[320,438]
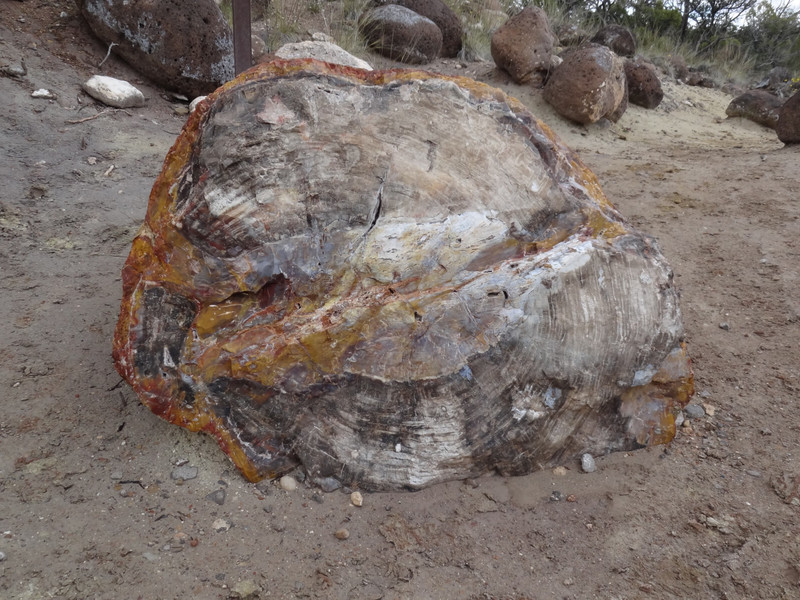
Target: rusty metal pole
[241,35]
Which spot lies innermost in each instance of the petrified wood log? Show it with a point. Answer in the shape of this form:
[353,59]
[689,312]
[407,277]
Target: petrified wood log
[393,279]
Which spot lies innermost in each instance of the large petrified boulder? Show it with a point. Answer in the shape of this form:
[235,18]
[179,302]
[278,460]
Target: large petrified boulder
[788,125]
[183,45]
[758,106]
[590,84]
[523,45]
[446,20]
[401,34]
[394,278]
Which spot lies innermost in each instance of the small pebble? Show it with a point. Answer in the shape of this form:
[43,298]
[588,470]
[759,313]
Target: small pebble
[572,498]
[560,471]
[288,483]
[2,556]
[217,497]
[587,463]
[680,418]
[754,473]
[724,326]
[328,484]
[116,475]
[710,410]
[180,537]
[342,534]
[220,525]
[184,473]
[556,496]
[694,411]
[356,499]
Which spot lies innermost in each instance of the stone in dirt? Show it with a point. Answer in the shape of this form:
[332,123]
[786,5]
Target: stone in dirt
[288,483]
[758,106]
[420,284]
[401,34]
[523,45]
[183,45]
[694,411]
[590,84]
[184,473]
[42,93]
[587,463]
[114,92]
[217,496]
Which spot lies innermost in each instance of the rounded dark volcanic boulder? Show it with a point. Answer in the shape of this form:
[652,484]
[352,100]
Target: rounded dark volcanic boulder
[183,46]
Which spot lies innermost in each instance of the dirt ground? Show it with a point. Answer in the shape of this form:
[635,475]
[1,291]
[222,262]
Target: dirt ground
[89,507]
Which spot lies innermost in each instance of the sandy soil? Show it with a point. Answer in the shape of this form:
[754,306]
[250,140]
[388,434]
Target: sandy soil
[88,505]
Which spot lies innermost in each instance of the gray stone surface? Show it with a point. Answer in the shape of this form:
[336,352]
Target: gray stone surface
[183,45]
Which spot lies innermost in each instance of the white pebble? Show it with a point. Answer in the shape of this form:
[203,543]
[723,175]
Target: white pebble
[220,525]
[288,483]
[356,499]
[587,463]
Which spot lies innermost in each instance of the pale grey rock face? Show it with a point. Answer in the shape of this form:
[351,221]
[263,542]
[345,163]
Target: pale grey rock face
[323,51]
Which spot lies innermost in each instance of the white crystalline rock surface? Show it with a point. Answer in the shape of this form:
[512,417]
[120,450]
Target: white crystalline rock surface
[324,51]
[114,92]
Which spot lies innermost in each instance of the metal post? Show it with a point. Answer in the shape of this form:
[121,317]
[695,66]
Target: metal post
[242,57]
